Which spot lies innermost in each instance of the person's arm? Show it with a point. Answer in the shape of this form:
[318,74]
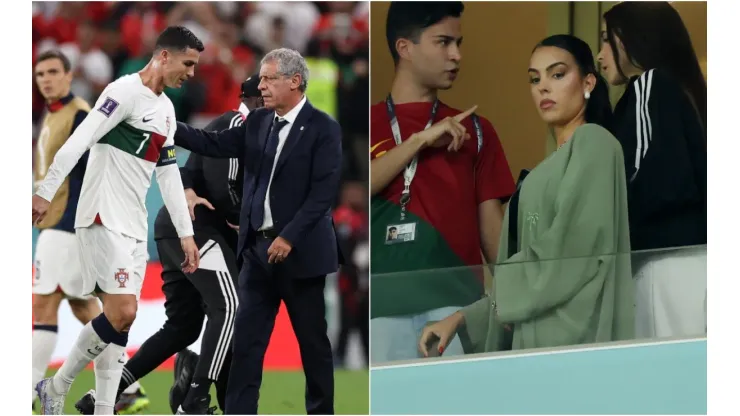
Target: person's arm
[394,159]
[112,108]
[671,151]
[325,176]
[447,132]
[235,186]
[494,185]
[490,218]
[564,258]
[82,163]
[224,144]
[171,188]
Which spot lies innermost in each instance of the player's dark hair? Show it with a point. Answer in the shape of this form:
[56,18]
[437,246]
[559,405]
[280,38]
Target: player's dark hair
[178,38]
[407,20]
[655,37]
[55,54]
[598,107]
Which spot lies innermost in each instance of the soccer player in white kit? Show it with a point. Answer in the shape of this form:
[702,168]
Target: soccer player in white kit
[57,262]
[130,134]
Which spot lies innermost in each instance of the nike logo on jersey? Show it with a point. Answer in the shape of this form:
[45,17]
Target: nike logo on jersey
[146,121]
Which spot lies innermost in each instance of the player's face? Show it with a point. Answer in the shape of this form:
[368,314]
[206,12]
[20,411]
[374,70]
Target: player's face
[276,88]
[435,59]
[51,79]
[557,85]
[178,66]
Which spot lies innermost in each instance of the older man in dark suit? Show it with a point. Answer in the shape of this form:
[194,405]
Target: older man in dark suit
[292,156]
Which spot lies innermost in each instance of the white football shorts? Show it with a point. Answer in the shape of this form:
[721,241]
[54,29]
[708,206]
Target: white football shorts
[113,262]
[57,265]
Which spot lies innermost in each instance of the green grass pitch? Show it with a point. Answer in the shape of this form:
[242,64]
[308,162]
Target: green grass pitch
[282,392]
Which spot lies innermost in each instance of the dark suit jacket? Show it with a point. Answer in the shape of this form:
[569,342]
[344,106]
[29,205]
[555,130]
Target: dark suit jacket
[304,185]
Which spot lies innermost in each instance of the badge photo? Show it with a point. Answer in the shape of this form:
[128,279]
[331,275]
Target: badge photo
[400,233]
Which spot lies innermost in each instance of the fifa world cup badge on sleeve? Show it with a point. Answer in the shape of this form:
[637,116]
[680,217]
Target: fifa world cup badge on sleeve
[121,278]
[400,233]
[108,107]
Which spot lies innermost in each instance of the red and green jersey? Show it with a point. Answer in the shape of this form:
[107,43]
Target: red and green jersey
[445,194]
[130,133]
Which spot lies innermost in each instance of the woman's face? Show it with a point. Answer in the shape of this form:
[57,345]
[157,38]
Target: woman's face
[556,85]
[608,64]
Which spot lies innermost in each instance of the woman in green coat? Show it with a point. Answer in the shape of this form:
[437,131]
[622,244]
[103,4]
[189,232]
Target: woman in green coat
[564,275]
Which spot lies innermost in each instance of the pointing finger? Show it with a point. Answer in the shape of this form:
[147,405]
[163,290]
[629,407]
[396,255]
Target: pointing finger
[462,116]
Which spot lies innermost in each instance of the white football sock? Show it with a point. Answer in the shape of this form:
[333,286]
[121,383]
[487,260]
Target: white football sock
[86,348]
[108,368]
[133,387]
[43,343]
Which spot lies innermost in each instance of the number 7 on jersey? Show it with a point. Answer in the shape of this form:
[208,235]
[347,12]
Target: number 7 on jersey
[141,146]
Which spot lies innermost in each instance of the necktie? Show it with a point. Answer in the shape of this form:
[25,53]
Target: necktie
[263,180]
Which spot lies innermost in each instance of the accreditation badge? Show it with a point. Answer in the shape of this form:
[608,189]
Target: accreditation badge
[400,233]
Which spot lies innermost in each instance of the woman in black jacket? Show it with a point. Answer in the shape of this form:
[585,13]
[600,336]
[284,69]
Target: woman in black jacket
[660,120]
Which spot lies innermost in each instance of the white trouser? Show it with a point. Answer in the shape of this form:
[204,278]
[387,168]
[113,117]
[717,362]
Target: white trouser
[671,298]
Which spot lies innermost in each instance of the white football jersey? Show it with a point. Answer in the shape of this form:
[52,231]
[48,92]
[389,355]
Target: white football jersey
[129,132]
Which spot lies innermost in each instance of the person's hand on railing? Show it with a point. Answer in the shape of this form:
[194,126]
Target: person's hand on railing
[441,333]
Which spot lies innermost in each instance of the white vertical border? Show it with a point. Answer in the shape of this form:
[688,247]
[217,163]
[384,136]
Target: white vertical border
[16,161]
[723,224]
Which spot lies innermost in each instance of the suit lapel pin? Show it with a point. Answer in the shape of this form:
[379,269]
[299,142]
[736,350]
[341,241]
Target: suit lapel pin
[301,128]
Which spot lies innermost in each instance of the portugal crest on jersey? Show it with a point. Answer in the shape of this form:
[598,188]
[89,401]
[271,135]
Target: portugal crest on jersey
[121,277]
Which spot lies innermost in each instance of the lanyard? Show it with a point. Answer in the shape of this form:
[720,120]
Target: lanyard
[410,171]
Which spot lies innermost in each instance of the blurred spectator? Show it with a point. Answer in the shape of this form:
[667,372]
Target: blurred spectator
[300,17]
[142,21]
[92,67]
[340,38]
[111,43]
[351,222]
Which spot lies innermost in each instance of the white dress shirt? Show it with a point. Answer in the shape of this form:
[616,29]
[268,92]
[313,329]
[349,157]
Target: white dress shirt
[290,117]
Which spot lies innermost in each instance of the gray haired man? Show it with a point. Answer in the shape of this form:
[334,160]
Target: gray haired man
[292,156]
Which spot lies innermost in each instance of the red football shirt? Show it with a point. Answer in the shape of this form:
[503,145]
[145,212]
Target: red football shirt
[448,186]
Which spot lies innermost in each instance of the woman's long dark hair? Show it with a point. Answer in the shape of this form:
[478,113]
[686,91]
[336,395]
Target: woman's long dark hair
[654,37]
[598,107]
